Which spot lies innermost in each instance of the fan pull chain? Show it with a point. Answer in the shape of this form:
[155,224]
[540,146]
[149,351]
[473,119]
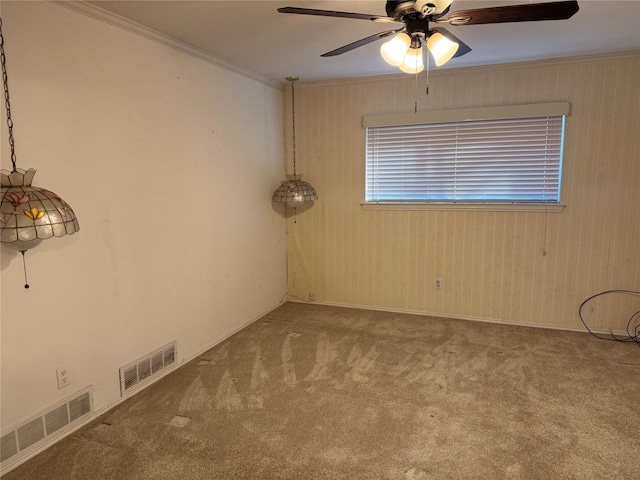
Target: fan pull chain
[24,266]
[415,93]
[427,86]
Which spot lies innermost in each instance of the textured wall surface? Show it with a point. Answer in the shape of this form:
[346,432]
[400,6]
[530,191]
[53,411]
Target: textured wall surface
[492,263]
[149,146]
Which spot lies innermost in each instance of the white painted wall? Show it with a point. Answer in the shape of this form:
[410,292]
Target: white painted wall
[169,163]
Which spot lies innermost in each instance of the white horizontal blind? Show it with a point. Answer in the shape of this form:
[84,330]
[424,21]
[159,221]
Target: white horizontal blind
[515,160]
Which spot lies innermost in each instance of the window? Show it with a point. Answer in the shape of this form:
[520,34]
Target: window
[496,155]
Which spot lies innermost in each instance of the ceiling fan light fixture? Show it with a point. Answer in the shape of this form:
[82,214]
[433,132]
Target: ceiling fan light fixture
[395,49]
[413,61]
[441,48]
[416,15]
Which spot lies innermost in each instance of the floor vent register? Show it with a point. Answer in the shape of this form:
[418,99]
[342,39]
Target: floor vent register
[18,441]
[146,369]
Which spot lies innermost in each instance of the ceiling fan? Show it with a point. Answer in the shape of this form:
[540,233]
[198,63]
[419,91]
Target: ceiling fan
[404,50]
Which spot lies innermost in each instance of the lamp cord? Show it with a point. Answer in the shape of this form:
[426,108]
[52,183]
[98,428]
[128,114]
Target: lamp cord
[24,266]
[293,118]
[6,98]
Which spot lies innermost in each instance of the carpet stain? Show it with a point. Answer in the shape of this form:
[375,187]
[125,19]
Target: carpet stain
[248,426]
[420,372]
[179,421]
[415,474]
[227,397]
[326,353]
[514,471]
[219,353]
[288,365]
[259,381]
[402,366]
[102,426]
[361,365]
[196,398]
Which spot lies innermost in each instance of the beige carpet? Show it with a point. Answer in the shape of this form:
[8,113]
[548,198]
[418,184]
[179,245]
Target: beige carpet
[317,392]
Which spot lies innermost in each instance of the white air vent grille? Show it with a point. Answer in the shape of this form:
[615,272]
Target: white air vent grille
[56,418]
[146,369]
[18,441]
[8,445]
[156,362]
[30,433]
[170,355]
[129,377]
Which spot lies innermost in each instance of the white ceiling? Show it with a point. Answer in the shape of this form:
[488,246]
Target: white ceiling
[254,35]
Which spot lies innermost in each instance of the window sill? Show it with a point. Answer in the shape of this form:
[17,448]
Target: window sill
[487,207]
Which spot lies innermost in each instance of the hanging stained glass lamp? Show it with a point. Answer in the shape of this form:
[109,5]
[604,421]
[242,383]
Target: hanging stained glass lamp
[28,214]
[294,191]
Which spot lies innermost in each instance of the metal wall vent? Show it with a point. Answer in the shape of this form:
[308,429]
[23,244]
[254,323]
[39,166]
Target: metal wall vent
[18,441]
[145,369]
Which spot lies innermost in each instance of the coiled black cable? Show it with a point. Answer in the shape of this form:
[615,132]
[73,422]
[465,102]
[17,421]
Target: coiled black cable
[633,325]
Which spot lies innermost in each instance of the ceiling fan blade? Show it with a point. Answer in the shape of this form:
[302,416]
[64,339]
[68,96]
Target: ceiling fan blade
[514,13]
[463,48]
[331,13]
[360,43]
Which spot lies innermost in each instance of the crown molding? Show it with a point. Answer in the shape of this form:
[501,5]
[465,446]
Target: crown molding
[147,33]
[82,7]
[561,61]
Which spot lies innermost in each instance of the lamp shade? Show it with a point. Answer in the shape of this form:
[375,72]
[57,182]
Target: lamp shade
[441,48]
[395,49]
[294,191]
[30,214]
[413,61]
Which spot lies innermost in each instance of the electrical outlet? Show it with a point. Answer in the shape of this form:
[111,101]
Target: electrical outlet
[62,374]
[437,285]
[312,296]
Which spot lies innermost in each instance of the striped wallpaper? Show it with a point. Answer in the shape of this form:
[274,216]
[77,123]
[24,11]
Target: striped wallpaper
[507,266]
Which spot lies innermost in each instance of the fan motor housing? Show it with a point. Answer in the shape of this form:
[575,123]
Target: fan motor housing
[399,9]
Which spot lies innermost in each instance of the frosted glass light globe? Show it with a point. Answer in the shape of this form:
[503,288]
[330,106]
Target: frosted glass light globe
[413,61]
[441,48]
[395,49]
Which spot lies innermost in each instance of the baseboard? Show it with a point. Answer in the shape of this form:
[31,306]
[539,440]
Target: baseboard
[48,442]
[22,440]
[458,317]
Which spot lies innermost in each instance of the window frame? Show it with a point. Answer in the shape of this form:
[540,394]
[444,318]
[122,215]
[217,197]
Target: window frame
[552,109]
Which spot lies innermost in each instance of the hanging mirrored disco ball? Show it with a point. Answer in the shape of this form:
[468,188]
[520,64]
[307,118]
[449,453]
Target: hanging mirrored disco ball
[294,191]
